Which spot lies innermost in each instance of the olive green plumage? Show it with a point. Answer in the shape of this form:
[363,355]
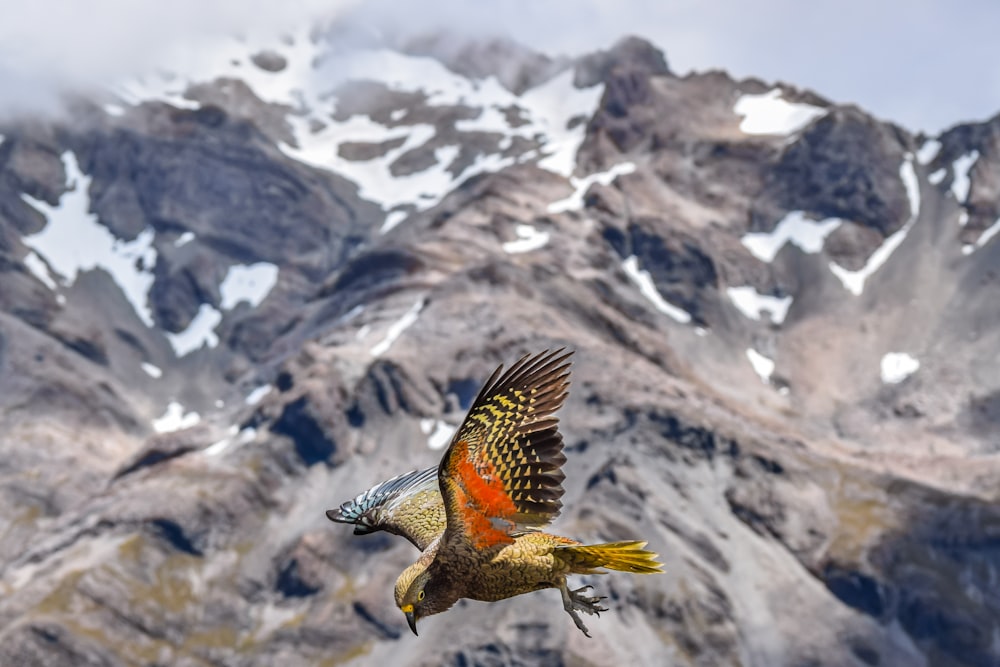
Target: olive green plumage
[476,516]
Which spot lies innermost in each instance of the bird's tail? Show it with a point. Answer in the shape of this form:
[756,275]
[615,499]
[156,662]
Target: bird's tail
[621,556]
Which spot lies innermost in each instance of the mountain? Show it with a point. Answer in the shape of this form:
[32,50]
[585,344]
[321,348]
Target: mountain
[237,292]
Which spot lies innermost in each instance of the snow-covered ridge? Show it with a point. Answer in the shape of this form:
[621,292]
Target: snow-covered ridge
[308,72]
[545,115]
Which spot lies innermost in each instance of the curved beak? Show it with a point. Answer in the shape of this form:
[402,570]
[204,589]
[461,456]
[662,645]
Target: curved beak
[410,618]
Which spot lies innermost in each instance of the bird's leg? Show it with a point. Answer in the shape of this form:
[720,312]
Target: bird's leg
[575,601]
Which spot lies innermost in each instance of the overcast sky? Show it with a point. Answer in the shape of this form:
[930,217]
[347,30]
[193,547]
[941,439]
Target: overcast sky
[926,65]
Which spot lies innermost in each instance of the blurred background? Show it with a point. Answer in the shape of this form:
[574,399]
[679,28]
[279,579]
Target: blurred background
[256,259]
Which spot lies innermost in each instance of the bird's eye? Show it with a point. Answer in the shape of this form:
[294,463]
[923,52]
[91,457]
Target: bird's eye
[420,596]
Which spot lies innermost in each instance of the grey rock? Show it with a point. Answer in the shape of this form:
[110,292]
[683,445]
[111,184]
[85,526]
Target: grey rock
[269,61]
[823,493]
[845,166]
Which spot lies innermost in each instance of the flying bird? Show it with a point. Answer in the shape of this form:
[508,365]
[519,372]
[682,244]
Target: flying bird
[477,516]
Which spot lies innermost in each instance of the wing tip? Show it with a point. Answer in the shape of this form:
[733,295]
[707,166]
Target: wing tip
[338,516]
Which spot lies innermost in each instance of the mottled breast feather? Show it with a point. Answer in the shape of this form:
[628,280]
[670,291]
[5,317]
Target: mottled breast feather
[409,505]
[502,471]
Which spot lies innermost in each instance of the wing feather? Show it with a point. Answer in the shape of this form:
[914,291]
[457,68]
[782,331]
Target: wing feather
[408,505]
[503,469]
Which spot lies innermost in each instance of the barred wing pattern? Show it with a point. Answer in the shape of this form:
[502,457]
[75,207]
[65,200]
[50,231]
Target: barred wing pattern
[502,471]
[409,505]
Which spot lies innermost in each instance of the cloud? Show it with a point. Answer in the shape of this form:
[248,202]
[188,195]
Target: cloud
[50,47]
[919,64]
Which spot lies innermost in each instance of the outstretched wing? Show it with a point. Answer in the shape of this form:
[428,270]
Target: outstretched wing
[501,472]
[409,505]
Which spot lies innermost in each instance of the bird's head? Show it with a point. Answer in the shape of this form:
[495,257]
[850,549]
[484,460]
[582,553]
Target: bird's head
[418,594]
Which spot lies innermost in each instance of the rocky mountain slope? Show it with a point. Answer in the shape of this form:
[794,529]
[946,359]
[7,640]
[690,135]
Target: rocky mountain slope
[236,294]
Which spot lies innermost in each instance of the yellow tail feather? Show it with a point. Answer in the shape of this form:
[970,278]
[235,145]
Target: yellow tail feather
[621,556]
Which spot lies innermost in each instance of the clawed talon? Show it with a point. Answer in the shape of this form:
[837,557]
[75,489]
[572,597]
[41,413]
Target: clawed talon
[588,603]
[575,600]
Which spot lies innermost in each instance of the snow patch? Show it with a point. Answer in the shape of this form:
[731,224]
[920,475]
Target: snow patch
[648,289]
[352,313]
[248,283]
[753,304]
[795,228]
[397,328]
[854,281]
[897,366]
[580,186]
[983,239]
[74,241]
[152,371]
[200,332]
[768,113]
[762,366]
[909,177]
[960,183]
[553,106]
[114,109]
[319,148]
[438,432]
[528,239]
[184,239]
[938,176]
[928,151]
[258,394]
[40,270]
[233,436]
[175,419]
[218,447]
[392,219]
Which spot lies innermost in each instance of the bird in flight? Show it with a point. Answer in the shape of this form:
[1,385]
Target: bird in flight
[477,516]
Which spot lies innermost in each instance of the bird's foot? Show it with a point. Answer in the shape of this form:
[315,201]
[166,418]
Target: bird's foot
[576,601]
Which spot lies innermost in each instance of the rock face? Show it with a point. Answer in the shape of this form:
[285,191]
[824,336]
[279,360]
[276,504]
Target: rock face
[225,308]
